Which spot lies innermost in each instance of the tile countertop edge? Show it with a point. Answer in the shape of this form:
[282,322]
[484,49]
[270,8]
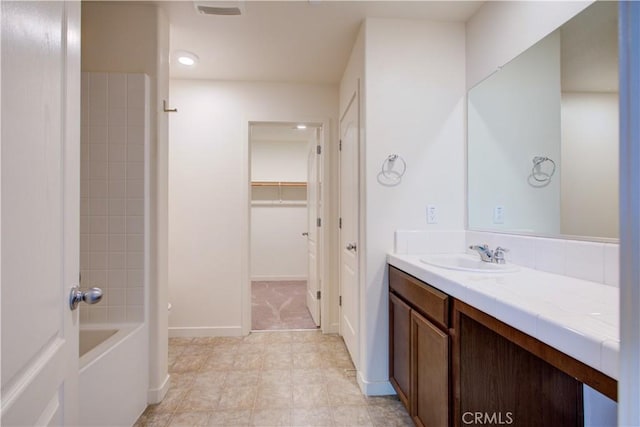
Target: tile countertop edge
[580,342]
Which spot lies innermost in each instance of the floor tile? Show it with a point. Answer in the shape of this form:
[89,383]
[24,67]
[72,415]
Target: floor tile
[299,378]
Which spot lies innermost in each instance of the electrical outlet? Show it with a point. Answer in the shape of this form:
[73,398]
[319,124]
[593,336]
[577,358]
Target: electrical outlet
[432,214]
[498,214]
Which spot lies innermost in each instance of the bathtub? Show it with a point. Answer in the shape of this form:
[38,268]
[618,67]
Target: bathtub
[114,374]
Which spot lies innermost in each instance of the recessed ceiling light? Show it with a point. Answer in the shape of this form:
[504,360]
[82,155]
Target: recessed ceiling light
[185,58]
[301,126]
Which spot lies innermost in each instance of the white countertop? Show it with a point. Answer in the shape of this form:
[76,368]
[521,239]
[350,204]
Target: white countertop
[577,317]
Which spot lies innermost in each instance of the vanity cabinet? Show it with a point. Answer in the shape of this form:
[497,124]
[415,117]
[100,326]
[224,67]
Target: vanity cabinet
[419,346]
[454,365]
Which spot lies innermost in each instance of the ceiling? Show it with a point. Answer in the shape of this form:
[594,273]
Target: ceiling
[287,41]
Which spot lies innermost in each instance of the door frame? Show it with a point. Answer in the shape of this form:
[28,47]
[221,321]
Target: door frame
[323,236]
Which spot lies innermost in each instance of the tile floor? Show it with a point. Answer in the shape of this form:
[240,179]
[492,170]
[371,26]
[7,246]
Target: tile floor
[280,378]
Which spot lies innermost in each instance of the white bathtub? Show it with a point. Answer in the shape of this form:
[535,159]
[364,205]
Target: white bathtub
[114,374]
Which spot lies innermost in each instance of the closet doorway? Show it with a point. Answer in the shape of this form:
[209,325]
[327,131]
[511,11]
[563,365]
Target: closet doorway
[285,243]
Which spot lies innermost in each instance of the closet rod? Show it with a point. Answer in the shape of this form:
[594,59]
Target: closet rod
[278,183]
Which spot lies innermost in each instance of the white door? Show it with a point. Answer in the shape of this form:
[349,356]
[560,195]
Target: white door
[313,237]
[40,211]
[349,195]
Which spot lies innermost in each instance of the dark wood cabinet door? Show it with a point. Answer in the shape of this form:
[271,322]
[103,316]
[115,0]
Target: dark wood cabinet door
[400,348]
[430,373]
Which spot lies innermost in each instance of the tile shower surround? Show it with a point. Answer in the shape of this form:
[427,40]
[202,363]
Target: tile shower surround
[279,378]
[596,262]
[112,189]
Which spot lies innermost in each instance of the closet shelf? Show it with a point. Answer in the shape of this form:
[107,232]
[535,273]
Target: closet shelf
[278,184]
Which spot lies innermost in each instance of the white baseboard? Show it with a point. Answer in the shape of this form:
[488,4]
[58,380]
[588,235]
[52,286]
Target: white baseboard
[277,278]
[333,328]
[155,395]
[374,388]
[206,331]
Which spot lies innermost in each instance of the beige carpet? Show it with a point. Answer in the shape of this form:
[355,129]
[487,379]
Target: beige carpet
[280,305]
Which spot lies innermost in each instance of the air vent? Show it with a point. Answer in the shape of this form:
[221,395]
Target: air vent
[219,8]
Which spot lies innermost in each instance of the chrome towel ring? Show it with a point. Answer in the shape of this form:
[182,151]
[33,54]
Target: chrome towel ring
[536,171]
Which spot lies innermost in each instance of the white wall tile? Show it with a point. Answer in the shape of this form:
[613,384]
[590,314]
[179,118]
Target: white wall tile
[135,260]
[135,313]
[98,224]
[98,91]
[135,153]
[135,296]
[135,135]
[117,152]
[135,225]
[117,260]
[117,189]
[135,243]
[612,264]
[117,171]
[520,249]
[98,134]
[98,243]
[117,296]
[135,170]
[97,314]
[117,242]
[117,207]
[135,207]
[117,135]
[135,189]
[550,255]
[117,97]
[98,260]
[135,278]
[97,152]
[117,224]
[117,117]
[99,207]
[585,260]
[99,188]
[112,169]
[116,314]
[117,278]
[135,117]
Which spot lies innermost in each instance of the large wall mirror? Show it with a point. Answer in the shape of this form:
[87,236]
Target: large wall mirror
[543,135]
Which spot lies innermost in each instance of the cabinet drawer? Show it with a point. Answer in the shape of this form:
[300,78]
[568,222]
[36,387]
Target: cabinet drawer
[429,301]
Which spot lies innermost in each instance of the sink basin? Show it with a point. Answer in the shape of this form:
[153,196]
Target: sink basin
[463,262]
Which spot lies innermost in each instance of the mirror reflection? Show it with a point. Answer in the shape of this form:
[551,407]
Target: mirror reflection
[543,135]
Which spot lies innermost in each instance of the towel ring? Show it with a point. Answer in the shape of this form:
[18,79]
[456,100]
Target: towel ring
[388,165]
[536,173]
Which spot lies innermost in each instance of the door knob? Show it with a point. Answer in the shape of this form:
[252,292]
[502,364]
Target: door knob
[305,233]
[351,247]
[92,296]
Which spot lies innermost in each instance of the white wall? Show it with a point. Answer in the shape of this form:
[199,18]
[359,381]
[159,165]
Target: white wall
[513,116]
[414,93]
[278,248]
[501,30]
[108,29]
[208,191]
[590,164]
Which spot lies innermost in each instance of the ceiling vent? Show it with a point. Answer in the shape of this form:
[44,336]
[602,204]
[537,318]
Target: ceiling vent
[228,8]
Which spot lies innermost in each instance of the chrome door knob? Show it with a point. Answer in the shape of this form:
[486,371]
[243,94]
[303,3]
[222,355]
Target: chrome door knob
[351,247]
[92,296]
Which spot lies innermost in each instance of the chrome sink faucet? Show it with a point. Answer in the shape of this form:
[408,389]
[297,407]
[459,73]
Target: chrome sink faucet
[487,255]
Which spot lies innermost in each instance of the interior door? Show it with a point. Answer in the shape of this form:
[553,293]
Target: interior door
[349,196]
[40,201]
[313,236]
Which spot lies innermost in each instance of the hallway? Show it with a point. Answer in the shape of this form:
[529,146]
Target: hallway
[301,378]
